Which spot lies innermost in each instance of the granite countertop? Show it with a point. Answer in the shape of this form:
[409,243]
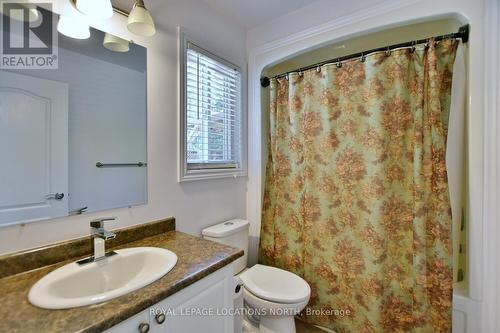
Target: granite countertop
[197,258]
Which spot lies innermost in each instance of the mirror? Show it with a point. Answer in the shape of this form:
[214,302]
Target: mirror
[73,138]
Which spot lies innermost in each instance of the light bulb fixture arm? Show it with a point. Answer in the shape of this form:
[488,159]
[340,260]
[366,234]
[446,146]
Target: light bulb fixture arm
[115,9]
[140,3]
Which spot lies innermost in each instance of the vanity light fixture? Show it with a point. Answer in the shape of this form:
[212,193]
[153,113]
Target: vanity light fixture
[98,9]
[140,21]
[116,44]
[73,26]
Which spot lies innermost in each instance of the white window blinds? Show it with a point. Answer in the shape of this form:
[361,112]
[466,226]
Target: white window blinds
[212,112]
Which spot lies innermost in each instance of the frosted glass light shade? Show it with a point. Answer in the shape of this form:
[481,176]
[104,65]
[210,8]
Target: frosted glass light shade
[74,27]
[140,22]
[34,14]
[115,43]
[99,9]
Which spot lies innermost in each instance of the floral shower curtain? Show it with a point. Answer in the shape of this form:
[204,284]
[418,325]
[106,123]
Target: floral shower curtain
[356,195]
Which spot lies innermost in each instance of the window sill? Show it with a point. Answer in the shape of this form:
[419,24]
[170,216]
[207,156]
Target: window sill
[213,174]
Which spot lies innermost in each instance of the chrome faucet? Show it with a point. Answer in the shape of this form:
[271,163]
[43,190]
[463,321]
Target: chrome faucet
[97,228]
[99,236]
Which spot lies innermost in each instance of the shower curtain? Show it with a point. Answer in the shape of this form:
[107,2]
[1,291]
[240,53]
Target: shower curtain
[456,163]
[356,196]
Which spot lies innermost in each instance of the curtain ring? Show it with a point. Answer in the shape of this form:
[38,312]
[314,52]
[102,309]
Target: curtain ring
[363,58]
[413,48]
[301,73]
[388,52]
[339,63]
[318,69]
[287,77]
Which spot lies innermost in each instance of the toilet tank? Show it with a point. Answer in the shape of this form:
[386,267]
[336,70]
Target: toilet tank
[232,233]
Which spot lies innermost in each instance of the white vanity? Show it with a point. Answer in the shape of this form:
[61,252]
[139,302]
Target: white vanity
[212,293]
[156,280]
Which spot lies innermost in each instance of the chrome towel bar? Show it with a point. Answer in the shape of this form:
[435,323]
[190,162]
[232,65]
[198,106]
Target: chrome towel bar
[118,165]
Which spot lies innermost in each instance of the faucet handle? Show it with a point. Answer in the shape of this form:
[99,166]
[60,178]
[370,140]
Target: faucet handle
[99,223]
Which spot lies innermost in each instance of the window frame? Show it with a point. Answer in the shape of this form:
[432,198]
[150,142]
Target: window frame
[186,174]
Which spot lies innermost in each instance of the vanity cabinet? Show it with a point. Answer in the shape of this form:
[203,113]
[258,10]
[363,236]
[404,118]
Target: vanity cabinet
[132,324]
[200,307]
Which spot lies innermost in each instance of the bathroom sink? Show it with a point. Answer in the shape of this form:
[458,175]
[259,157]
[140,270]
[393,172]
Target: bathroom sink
[76,285]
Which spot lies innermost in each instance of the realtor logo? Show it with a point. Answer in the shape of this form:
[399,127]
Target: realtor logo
[29,35]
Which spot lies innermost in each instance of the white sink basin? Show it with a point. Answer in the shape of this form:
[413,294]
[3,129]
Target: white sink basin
[76,285]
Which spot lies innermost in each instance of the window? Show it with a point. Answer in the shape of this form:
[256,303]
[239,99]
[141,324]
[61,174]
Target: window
[211,116]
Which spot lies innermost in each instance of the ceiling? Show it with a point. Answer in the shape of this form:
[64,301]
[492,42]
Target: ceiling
[246,13]
[251,13]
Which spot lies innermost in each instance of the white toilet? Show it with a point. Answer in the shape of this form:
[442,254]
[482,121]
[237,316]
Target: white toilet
[274,294]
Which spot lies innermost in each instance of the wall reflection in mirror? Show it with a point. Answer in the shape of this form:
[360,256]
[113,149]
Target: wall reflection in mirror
[73,139]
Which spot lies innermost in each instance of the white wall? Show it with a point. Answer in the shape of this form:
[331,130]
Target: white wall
[317,13]
[194,204]
[302,30]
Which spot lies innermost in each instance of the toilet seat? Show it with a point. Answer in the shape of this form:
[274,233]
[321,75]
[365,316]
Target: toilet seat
[275,285]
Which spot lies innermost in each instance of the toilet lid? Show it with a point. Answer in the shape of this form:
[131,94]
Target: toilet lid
[275,285]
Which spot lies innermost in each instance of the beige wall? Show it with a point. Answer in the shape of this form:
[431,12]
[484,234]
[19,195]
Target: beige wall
[366,42]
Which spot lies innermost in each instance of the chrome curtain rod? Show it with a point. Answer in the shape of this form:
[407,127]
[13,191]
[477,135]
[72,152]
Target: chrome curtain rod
[463,34]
